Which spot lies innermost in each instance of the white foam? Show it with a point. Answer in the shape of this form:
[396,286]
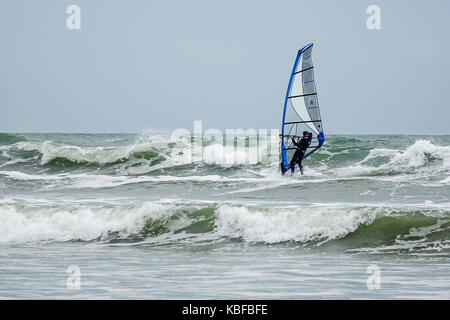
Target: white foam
[50,220]
[105,181]
[415,154]
[420,248]
[274,225]
[446,180]
[43,223]
[414,157]
[87,180]
[14,161]
[223,156]
[17,175]
[217,154]
[100,155]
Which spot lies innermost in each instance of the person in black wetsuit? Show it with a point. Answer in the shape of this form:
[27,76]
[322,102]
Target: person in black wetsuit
[301,146]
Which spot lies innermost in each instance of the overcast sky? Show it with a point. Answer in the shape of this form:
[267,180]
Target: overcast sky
[145,64]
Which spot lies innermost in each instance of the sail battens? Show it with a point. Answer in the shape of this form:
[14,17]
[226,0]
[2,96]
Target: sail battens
[303,70]
[303,95]
[292,122]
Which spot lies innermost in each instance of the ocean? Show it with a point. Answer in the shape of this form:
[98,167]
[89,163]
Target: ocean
[130,216]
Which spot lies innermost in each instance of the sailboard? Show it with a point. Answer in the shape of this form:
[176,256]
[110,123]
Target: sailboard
[301,108]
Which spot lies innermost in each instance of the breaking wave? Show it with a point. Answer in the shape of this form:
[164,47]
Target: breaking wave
[83,175]
[59,154]
[419,157]
[356,229]
[143,154]
[336,151]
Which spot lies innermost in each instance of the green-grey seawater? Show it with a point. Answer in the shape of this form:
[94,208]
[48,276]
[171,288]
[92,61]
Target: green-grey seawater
[141,220]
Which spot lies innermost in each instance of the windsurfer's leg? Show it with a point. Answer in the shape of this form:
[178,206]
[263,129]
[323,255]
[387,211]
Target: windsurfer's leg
[300,158]
[294,161]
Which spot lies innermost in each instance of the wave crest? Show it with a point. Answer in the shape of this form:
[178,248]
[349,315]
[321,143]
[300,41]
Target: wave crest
[155,223]
[420,156]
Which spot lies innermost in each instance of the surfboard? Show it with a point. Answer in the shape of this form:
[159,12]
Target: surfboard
[301,108]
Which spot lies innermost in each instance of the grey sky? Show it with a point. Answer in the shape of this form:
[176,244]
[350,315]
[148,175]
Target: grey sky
[137,64]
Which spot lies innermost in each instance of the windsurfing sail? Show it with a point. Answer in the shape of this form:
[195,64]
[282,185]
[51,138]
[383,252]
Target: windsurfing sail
[301,108]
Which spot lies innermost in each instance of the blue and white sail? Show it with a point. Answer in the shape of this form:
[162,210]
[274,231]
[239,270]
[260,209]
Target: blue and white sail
[301,108]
